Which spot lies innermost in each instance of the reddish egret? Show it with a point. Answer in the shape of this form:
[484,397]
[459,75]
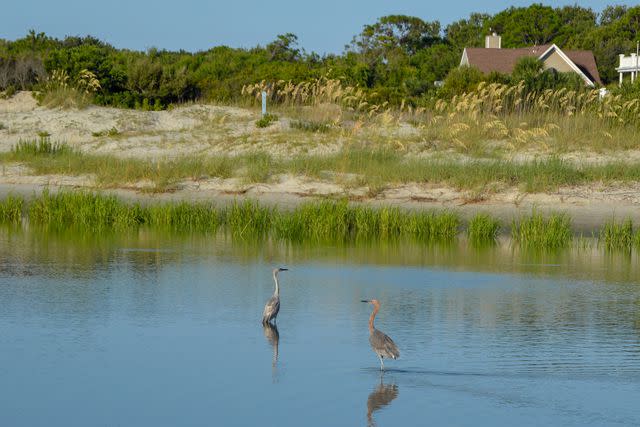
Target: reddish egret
[380,342]
[272,307]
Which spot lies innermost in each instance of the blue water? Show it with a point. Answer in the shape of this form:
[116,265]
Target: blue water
[163,331]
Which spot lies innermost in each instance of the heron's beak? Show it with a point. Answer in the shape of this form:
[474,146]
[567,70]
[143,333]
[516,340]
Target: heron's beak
[365,300]
[284,269]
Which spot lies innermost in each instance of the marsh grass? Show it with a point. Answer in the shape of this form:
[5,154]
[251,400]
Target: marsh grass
[619,235]
[11,210]
[536,231]
[326,221]
[483,229]
[314,222]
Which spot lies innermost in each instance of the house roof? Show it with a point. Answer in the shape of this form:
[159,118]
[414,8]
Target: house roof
[504,60]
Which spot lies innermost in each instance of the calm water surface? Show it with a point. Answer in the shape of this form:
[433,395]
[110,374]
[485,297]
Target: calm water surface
[160,330]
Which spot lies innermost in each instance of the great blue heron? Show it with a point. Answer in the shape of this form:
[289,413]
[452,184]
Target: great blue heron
[272,307]
[380,342]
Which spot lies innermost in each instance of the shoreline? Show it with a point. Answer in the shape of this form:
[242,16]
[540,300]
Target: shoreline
[587,215]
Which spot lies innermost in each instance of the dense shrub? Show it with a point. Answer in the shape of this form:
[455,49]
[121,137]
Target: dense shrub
[396,59]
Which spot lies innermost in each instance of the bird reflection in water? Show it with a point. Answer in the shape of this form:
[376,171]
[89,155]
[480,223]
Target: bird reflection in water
[380,397]
[273,338]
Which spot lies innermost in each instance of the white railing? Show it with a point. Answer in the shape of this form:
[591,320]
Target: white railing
[629,61]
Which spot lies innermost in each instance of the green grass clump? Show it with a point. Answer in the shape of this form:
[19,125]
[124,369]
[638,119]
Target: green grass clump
[310,126]
[41,147]
[81,209]
[337,221]
[266,120]
[181,216]
[544,233]
[325,221]
[618,236]
[483,229]
[248,219]
[11,210]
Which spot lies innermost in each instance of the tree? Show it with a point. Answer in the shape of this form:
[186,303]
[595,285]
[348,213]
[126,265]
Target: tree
[527,26]
[283,48]
[576,22]
[611,14]
[468,32]
[396,32]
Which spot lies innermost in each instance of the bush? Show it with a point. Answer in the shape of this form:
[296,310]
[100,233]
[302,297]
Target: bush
[461,80]
[266,120]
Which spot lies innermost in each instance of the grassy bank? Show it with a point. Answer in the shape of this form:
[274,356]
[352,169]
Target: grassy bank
[326,221]
[319,221]
[373,168]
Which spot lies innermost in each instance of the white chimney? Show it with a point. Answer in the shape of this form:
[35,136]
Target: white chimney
[494,41]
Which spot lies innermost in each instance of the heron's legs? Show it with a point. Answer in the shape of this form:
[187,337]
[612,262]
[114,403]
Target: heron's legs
[381,363]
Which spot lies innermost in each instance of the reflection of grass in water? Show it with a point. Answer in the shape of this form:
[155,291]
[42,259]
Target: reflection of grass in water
[540,232]
[315,222]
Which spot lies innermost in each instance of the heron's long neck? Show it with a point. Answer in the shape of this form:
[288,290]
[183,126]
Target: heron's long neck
[275,279]
[373,316]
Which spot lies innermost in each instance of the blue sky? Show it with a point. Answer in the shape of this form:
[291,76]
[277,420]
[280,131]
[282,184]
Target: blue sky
[322,25]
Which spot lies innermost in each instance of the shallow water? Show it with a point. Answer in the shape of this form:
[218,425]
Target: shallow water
[157,329]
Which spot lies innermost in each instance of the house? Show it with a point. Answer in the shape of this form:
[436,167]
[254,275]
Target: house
[493,58]
[628,64]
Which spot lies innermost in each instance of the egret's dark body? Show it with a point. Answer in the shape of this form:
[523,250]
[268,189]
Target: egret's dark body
[272,307]
[381,343]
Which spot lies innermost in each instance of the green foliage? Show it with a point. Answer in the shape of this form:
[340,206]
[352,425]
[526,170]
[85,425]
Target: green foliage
[398,57]
[530,70]
[461,80]
[483,229]
[11,210]
[311,126]
[536,231]
[43,146]
[266,120]
[326,221]
[618,236]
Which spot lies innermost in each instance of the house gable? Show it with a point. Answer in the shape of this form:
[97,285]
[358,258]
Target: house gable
[503,61]
[554,57]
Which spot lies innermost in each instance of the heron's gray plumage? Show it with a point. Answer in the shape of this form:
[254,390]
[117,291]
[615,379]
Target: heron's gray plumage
[272,307]
[383,345]
[380,342]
